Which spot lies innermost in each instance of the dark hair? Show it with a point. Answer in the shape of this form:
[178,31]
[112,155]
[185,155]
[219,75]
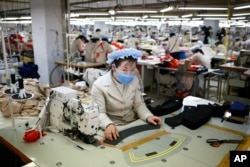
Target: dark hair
[172,34]
[118,62]
[82,37]
[197,51]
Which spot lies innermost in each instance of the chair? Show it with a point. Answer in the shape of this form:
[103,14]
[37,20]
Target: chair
[217,77]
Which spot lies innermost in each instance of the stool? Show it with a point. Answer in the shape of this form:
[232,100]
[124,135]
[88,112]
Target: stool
[216,76]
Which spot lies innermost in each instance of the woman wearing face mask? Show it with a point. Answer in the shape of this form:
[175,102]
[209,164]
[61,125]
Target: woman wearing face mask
[119,95]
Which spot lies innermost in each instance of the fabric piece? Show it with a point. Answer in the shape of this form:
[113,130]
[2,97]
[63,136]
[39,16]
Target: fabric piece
[171,105]
[130,131]
[177,120]
[199,118]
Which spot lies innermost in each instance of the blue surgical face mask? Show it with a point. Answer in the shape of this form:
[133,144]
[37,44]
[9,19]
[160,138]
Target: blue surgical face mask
[124,78]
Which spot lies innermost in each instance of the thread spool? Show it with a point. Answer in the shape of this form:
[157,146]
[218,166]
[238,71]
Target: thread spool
[20,83]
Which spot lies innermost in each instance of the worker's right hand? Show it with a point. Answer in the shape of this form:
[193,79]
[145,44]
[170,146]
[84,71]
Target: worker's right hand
[111,132]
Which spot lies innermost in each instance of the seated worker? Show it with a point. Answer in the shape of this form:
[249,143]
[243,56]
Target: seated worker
[119,95]
[173,46]
[89,48]
[101,50]
[132,42]
[77,47]
[198,57]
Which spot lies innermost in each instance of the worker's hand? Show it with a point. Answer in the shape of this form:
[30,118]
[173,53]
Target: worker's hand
[154,120]
[111,132]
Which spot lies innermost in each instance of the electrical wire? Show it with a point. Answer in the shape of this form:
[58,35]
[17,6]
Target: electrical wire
[51,73]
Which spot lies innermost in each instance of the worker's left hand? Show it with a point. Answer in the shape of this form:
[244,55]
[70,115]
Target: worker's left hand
[154,120]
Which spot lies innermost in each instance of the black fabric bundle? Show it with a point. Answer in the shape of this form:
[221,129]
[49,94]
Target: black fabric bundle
[177,120]
[201,116]
[192,117]
[171,105]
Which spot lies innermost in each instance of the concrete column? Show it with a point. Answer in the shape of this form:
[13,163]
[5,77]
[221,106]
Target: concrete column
[49,33]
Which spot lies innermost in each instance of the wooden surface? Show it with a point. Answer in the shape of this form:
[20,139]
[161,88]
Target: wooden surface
[81,65]
[247,73]
[232,67]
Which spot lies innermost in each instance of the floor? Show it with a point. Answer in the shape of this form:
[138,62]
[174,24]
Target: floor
[157,100]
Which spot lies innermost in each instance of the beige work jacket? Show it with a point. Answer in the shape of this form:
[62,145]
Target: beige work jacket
[118,103]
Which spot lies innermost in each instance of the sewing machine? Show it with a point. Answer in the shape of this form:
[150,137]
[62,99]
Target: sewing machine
[75,118]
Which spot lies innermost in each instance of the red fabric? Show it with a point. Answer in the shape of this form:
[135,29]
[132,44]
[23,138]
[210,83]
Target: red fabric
[193,68]
[117,45]
[29,45]
[173,63]
[15,37]
[182,94]
[32,136]
[165,57]
[232,57]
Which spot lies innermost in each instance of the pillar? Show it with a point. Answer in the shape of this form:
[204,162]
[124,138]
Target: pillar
[49,33]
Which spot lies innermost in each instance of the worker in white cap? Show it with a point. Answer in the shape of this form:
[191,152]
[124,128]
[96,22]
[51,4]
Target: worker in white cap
[119,95]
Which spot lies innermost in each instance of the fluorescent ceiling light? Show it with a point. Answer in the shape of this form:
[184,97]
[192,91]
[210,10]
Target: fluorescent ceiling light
[187,15]
[17,22]
[99,18]
[200,8]
[167,9]
[242,7]
[127,17]
[212,15]
[179,19]
[112,12]
[238,18]
[93,14]
[241,14]
[74,15]
[145,16]
[25,17]
[163,16]
[196,18]
[147,19]
[137,11]
[11,18]
[215,18]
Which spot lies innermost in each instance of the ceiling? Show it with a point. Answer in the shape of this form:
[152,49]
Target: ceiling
[14,8]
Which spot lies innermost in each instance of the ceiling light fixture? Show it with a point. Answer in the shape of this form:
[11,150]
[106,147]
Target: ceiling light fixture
[94,14]
[212,15]
[25,17]
[241,14]
[215,18]
[127,17]
[238,18]
[112,12]
[187,15]
[167,9]
[200,8]
[242,7]
[11,18]
[137,11]
[163,16]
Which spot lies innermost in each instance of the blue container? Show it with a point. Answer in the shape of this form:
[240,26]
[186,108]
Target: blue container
[182,55]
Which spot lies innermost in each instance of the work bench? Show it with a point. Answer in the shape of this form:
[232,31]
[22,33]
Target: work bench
[236,81]
[148,148]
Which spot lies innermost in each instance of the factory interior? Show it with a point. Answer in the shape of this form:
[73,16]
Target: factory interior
[108,83]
